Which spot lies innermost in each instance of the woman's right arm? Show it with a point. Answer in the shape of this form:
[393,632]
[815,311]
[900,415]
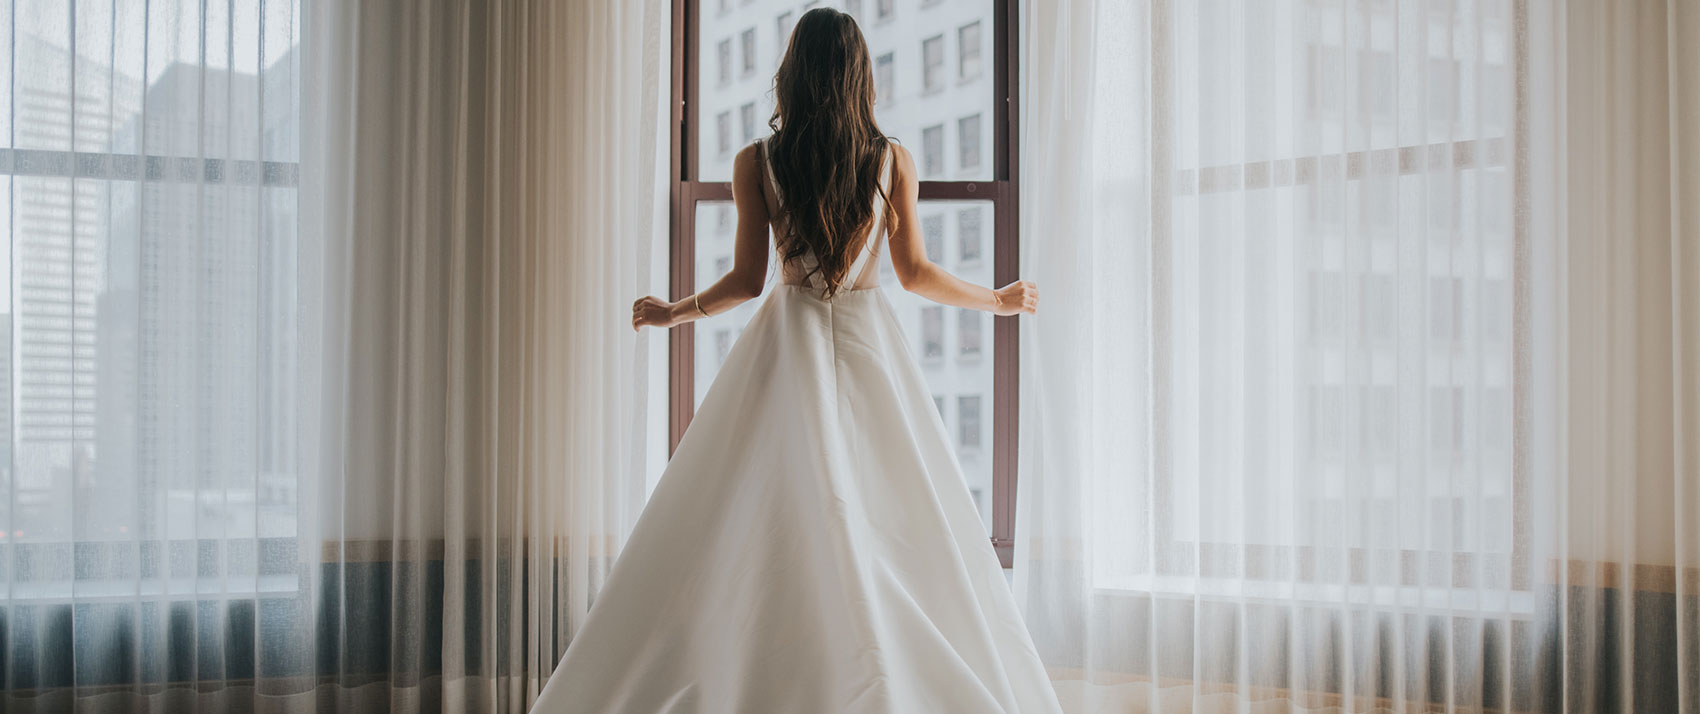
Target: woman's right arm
[922,276]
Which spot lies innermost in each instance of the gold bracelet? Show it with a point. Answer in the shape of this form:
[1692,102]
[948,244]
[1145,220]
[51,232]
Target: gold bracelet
[698,303]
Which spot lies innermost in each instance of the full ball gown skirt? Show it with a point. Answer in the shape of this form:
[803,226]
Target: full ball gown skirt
[812,546]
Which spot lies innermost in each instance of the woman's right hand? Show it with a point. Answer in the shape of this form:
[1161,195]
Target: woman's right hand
[653,311]
[1016,298]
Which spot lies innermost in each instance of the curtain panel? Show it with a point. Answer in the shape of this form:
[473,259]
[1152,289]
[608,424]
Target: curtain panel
[323,395]
[1368,360]
[488,214]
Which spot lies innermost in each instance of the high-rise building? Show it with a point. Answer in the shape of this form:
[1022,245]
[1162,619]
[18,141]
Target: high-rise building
[59,218]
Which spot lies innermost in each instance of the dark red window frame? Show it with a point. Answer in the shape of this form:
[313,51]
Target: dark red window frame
[685,190]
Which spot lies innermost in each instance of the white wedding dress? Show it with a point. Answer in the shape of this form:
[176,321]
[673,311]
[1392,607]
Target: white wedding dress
[812,546]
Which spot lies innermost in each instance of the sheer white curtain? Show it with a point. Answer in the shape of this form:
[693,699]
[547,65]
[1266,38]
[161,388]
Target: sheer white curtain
[321,391]
[1352,391]
[487,215]
[150,510]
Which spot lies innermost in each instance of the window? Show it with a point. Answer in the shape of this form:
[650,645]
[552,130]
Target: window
[968,51]
[968,142]
[968,231]
[148,338]
[782,30]
[724,52]
[968,421]
[854,9]
[1399,368]
[932,151]
[968,333]
[883,77]
[721,54]
[748,42]
[932,332]
[747,114]
[932,237]
[932,63]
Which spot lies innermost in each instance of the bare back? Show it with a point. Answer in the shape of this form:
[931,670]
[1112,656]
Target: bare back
[800,272]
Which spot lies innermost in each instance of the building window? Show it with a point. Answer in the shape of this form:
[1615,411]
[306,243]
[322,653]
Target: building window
[932,151]
[884,75]
[853,8]
[723,131]
[748,41]
[783,28]
[885,9]
[968,231]
[747,114]
[968,333]
[932,332]
[968,421]
[968,51]
[932,63]
[938,403]
[932,236]
[724,54]
[722,345]
[968,142]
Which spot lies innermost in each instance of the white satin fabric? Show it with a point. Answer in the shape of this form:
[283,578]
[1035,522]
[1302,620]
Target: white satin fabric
[812,546]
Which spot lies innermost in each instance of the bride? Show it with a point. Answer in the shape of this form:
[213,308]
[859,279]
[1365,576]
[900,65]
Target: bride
[812,546]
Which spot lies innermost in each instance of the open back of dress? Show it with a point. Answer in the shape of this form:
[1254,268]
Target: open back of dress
[812,546]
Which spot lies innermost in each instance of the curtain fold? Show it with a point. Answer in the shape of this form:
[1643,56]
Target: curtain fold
[497,213]
[150,539]
[1365,376]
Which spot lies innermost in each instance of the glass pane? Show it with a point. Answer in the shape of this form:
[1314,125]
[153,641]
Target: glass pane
[717,222]
[932,71]
[953,346]
[148,313]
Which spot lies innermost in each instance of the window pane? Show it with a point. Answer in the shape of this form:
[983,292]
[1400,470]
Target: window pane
[716,227]
[930,62]
[953,346]
[959,368]
[149,321]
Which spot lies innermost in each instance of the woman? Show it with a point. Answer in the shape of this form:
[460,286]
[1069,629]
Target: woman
[812,546]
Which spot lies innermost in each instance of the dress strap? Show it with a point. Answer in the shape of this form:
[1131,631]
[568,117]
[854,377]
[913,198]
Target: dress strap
[877,230]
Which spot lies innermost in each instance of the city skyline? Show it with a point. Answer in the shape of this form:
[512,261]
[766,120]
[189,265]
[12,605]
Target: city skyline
[149,336]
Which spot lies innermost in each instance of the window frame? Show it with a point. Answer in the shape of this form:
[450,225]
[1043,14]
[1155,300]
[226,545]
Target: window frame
[1002,191]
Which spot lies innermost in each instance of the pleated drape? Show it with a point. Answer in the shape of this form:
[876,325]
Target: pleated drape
[499,214]
[322,394]
[1360,387]
[151,546]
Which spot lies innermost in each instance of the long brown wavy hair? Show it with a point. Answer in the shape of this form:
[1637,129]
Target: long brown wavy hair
[826,150]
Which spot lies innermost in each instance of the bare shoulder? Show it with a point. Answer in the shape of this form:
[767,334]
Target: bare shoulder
[902,166]
[905,161]
[745,162]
